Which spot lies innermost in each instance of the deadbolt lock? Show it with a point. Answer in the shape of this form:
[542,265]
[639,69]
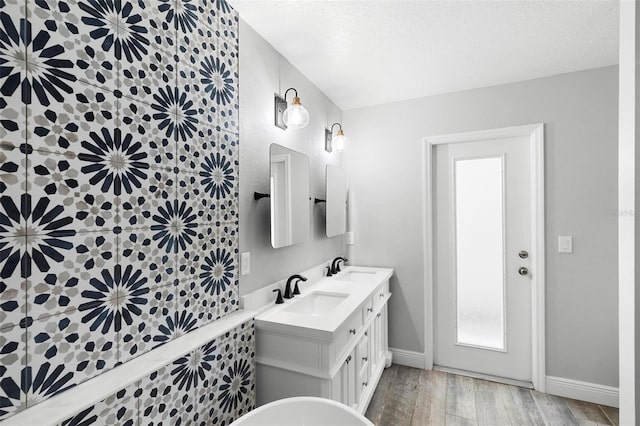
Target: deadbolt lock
[523,254]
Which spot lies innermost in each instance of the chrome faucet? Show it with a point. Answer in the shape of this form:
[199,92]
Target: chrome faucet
[335,265]
[288,293]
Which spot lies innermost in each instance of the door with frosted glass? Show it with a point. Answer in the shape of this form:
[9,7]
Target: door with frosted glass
[482,251]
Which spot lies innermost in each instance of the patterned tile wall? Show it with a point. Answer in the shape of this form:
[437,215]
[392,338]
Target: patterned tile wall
[118,184]
[213,385]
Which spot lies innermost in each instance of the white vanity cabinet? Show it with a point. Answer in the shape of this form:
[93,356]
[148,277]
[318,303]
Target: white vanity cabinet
[343,364]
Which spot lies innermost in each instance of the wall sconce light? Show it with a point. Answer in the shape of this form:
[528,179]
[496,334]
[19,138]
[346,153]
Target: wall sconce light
[337,143]
[294,116]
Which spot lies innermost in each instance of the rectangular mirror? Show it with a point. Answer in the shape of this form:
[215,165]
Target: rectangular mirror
[289,183]
[336,210]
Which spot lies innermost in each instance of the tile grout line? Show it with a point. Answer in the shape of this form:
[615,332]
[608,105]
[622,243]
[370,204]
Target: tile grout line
[606,415]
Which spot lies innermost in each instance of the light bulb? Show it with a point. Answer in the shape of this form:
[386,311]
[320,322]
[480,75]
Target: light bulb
[339,142]
[296,116]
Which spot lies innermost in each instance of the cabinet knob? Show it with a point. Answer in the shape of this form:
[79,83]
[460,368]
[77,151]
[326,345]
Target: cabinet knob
[352,331]
[364,384]
[381,295]
[378,316]
[364,358]
[348,360]
[369,310]
[366,333]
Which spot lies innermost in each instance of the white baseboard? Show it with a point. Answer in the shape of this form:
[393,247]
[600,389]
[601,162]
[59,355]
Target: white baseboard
[408,358]
[584,391]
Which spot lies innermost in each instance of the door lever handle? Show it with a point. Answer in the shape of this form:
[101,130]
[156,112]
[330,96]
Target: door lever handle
[523,271]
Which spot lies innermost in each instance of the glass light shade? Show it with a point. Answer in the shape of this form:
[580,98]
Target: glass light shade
[296,116]
[339,142]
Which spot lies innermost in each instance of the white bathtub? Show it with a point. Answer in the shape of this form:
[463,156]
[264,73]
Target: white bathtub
[303,411]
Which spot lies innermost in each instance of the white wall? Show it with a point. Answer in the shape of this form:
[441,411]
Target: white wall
[579,110]
[265,72]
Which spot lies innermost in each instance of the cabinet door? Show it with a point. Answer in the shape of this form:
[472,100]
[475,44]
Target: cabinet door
[348,378]
[378,337]
[375,340]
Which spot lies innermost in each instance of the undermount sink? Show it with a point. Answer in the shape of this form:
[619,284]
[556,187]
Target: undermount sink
[356,276]
[317,303]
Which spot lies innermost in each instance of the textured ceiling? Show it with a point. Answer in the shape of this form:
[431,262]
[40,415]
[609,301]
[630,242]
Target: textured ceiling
[370,52]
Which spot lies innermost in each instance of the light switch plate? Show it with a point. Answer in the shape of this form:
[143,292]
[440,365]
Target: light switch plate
[351,239]
[565,244]
[245,263]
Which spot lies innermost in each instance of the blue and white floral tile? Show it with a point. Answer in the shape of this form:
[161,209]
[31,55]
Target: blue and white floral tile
[193,194]
[188,119]
[190,262]
[148,59]
[219,178]
[13,353]
[69,344]
[173,227]
[193,15]
[196,82]
[224,189]
[69,41]
[151,205]
[228,25]
[210,394]
[227,16]
[150,322]
[210,185]
[149,252]
[204,363]
[227,269]
[165,400]
[65,280]
[227,236]
[140,80]
[82,121]
[150,130]
[193,48]
[13,120]
[210,278]
[237,376]
[229,145]
[84,185]
[13,291]
[119,409]
[245,347]
[125,301]
[13,241]
[193,297]
[150,20]
[226,77]
[191,154]
[212,79]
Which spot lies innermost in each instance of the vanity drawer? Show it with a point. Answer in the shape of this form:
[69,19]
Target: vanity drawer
[348,332]
[367,309]
[380,295]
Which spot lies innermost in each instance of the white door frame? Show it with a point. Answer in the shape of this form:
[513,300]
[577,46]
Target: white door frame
[535,132]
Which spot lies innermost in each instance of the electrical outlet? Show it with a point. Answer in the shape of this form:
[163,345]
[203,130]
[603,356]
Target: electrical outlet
[245,263]
[351,239]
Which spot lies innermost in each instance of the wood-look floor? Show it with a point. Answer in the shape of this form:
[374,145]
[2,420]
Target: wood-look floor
[413,397]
